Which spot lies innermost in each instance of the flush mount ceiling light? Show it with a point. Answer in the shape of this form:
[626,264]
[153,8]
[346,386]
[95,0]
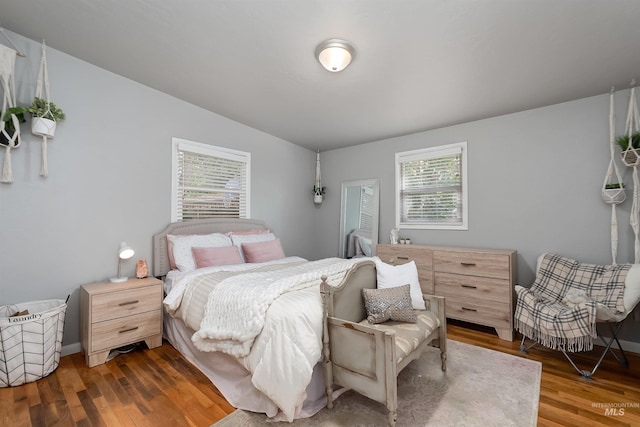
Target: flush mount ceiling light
[335,54]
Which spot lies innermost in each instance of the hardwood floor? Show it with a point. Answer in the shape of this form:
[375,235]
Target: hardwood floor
[158,387]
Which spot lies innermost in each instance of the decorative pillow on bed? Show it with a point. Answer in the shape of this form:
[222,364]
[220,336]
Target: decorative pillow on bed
[239,239]
[180,247]
[208,257]
[390,276]
[263,251]
[389,304]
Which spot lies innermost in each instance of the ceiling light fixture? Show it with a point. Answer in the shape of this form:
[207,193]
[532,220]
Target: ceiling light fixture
[335,54]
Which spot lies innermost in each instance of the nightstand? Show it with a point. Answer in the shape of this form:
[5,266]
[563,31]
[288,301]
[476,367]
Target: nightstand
[116,314]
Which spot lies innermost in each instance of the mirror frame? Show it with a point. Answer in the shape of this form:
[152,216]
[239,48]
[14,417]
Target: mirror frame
[375,183]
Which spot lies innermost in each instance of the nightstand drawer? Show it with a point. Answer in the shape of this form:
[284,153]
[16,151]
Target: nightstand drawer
[120,331]
[114,305]
[472,263]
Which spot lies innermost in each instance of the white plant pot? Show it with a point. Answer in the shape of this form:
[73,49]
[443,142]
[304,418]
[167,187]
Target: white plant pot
[613,196]
[43,127]
[317,198]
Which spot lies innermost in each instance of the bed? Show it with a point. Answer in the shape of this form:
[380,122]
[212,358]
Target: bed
[359,243]
[260,347]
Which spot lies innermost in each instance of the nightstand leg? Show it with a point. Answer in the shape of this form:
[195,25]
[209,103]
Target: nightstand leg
[154,342]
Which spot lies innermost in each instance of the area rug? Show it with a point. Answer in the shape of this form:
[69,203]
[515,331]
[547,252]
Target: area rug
[480,388]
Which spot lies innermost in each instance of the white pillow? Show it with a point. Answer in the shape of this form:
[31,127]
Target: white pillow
[391,276]
[632,288]
[182,245]
[239,239]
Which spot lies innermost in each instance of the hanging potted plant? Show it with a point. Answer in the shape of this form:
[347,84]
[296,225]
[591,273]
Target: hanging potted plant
[9,124]
[318,192]
[45,116]
[614,193]
[630,146]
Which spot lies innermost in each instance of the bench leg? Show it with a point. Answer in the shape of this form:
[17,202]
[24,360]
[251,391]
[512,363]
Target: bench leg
[392,418]
[443,357]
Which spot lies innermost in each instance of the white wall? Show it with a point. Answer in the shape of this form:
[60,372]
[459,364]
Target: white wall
[535,179]
[110,180]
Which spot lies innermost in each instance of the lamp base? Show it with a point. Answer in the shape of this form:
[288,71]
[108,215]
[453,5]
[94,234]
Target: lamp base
[118,279]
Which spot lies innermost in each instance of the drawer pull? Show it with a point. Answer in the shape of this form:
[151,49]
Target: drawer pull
[128,303]
[469,286]
[469,309]
[128,330]
[468,264]
[403,257]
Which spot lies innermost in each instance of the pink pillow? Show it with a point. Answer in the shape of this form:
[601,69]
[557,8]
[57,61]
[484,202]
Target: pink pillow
[263,251]
[208,257]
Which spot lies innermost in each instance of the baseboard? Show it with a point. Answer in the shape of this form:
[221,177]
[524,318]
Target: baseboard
[71,349]
[628,346]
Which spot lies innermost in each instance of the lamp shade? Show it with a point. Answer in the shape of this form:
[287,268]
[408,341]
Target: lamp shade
[125,251]
[335,54]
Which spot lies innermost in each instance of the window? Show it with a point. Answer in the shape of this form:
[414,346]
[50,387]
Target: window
[431,188]
[209,182]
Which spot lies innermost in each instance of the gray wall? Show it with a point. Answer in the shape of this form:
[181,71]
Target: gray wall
[534,182]
[110,180]
[535,179]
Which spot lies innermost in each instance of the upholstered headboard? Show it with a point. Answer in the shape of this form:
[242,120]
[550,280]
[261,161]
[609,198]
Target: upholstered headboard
[198,226]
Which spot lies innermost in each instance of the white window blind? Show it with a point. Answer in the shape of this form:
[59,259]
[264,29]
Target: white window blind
[366,208]
[209,181]
[431,188]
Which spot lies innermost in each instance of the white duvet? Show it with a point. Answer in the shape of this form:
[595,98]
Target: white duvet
[270,318]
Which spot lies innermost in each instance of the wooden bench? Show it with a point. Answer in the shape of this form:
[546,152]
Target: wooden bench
[368,357]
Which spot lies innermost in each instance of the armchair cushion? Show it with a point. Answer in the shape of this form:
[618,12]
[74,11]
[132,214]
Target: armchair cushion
[391,303]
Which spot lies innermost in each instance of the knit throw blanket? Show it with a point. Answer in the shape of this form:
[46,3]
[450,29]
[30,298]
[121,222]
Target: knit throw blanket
[541,314]
[236,308]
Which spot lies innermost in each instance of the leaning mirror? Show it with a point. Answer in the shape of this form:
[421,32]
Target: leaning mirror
[359,218]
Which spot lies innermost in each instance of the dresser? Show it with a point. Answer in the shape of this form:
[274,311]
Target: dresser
[478,284]
[117,314]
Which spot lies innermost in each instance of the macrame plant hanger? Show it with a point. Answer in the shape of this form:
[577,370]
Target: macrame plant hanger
[43,92]
[7,82]
[613,191]
[631,158]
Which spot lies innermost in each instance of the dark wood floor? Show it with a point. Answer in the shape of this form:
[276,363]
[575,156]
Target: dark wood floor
[158,387]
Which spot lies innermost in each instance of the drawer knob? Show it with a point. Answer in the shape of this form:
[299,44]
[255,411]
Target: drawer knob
[468,264]
[469,309]
[469,286]
[128,330]
[128,303]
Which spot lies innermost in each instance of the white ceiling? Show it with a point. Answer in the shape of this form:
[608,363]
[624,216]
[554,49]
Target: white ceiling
[419,64]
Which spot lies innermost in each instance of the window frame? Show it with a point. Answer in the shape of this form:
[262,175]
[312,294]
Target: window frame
[178,144]
[431,153]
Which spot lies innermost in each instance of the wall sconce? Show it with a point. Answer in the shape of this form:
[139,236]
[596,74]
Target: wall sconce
[125,252]
[335,54]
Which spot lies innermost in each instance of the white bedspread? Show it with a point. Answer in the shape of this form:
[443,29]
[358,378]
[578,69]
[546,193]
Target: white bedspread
[271,320]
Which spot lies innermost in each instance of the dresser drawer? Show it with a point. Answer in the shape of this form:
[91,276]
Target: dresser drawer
[494,314]
[473,288]
[402,254]
[113,305]
[125,330]
[473,263]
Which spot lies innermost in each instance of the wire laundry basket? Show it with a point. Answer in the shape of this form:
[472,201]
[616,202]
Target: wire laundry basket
[30,344]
